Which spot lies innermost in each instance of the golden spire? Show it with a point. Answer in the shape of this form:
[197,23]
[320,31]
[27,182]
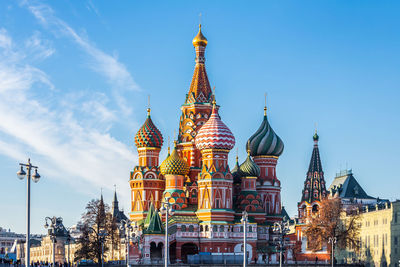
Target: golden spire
[148,103]
[214,102]
[265,106]
[200,39]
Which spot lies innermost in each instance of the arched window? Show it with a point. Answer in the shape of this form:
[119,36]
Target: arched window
[221,228]
[201,228]
[215,228]
[183,228]
[206,228]
[191,228]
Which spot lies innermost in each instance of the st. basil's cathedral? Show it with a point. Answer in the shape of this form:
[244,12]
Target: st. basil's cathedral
[207,195]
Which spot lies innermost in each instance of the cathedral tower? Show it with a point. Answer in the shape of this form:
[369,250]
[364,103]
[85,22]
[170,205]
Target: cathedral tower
[215,140]
[314,186]
[196,110]
[265,147]
[145,181]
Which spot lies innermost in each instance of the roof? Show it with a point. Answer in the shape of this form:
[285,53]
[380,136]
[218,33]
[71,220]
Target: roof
[155,225]
[347,186]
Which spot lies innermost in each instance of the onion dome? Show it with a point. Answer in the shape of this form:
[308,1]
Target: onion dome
[316,136]
[265,142]
[199,39]
[248,168]
[214,134]
[148,135]
[236,173]
[174,164]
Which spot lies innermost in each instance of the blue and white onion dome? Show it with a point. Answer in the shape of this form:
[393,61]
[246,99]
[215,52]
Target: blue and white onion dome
[265,142]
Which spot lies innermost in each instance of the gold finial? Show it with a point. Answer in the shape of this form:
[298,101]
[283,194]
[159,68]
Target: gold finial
[175,142]
[237,154]
[148,105]
[169,150]
[248,147]
[200,39]
[315,125]
[214,102]
[265,104]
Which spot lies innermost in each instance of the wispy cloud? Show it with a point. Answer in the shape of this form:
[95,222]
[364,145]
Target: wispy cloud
[116,73]
[63,142]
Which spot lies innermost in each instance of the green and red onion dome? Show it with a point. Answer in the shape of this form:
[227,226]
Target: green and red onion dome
[148,135]
[174,165]
[249,168]
[214,134]
[265,142]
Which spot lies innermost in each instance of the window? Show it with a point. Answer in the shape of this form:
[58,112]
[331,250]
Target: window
[215,228]
[191,228]
[221,228]
[201,228]
[395,241]
[241,229]
[395,217]
[183,228]
[206,228]
[250,229]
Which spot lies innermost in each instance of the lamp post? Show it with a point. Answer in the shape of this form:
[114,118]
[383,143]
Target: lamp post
[126,227]
[244,220]
[167,210]
[21,174]
[281,228]
[101,236]
[69,245]
[332,240]
[137,238]
[55,225]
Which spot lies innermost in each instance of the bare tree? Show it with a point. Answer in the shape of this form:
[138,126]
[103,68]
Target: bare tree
[95,219]
[333,221]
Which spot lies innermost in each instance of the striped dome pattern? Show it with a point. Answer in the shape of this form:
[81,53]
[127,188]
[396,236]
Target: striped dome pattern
[174,165]
[265,142]
[249,169]
[148,135]
[214,134]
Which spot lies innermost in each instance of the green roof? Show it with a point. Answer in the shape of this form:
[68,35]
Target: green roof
[155,225]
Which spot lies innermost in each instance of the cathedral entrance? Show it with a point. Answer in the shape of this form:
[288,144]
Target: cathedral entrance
[156,252]
[188,249]
[172,253]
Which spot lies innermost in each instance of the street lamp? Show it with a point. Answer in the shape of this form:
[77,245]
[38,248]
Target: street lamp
[126,227]
[167,210]
[69,244]
[21,174]
[332,240]
[55,225]
[101,236]
[137,238]
[244,220]
[281,228]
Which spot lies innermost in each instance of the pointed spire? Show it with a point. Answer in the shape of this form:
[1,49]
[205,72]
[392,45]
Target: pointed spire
[155,224]
[200,90]
[314,186]
[149,215]
[265,106]
[115,202]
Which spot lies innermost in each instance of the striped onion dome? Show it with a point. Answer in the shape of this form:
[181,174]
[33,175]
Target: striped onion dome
[249,169]
[214,134]
[174,165]
[148,135]
[265,142]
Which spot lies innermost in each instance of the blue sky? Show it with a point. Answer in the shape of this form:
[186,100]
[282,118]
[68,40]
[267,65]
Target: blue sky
[75,76]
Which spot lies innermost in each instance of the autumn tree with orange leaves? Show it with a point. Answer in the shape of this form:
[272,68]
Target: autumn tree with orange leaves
[334,222]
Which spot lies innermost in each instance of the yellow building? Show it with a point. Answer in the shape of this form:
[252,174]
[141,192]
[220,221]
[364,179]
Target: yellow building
[379,237]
